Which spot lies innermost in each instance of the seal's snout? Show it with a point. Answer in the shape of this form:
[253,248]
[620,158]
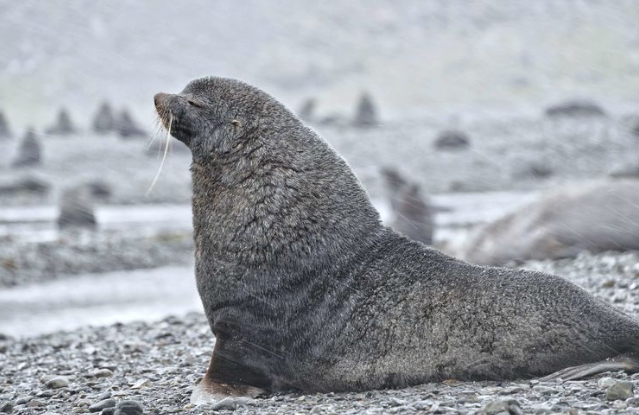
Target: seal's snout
[162,106]
[160,101]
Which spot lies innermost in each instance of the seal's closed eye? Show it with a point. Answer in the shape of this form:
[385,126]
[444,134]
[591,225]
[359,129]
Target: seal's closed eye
[196,104]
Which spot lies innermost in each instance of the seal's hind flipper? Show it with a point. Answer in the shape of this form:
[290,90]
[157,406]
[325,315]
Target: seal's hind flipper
[628,363]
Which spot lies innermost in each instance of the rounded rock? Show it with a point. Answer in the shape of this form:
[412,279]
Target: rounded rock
[6,407]
[57,382]
[620,391]
[97,407]
[103,373]
[129,408]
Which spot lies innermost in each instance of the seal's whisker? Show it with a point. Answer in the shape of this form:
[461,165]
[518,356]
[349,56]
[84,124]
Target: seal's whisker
[158,129]
[166,150]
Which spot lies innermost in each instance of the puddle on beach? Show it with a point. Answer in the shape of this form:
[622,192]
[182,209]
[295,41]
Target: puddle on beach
[98,299]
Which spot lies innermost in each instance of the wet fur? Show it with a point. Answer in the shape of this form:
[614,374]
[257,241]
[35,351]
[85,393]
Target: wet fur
[304,288]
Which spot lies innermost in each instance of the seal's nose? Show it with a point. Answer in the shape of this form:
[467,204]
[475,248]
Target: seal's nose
[160,100]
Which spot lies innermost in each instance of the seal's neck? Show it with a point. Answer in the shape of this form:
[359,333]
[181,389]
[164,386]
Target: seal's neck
[298,209]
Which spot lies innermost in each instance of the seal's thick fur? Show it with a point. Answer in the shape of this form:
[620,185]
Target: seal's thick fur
[304,288]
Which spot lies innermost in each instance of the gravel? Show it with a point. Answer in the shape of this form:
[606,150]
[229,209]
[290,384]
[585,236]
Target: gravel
[156,365]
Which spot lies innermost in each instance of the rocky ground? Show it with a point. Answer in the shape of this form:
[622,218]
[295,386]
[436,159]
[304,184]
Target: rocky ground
[157,365]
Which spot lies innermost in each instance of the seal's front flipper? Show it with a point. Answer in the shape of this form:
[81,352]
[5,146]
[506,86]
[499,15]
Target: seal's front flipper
[228,376]
[628,363]
[212,392]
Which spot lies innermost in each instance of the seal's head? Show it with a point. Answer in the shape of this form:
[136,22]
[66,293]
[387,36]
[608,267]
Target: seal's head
[213,115]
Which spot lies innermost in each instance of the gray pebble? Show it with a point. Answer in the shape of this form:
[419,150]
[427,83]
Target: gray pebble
[606,382]
[103,396]
[102,373]
[97,407]
[35,403]
[57,382]
[230,403]
[129,408]
[507,406]
[141,383]
[620,391]
[23,399]
[6,407]
[542,410]
[544,390]
[396,402]
[82,402]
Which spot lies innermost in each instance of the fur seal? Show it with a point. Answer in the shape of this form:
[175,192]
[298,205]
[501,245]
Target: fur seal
[366,112]
[63,125]
[30,150]
[595,218]
[414,215]
[126,127]
[76,209]
[304,288]
[104,121]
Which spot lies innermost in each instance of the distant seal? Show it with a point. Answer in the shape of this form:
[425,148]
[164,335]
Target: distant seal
[304,288]
[594,218]
[76,209]
[414,215]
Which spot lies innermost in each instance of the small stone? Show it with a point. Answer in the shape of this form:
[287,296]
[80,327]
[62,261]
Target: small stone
[6,407]
[46,378]
[22,400]
[108,411]
[35,403]
[102,373]
[620,391]
[230,403]
[544,390]
[633,401]
[542,410]
[129,408]
[97,407]
[509,406]
[142,383]
[606,382]
[511,391]
[57,382]
[396,402]
[608,284]
[103,396]
[83,402]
